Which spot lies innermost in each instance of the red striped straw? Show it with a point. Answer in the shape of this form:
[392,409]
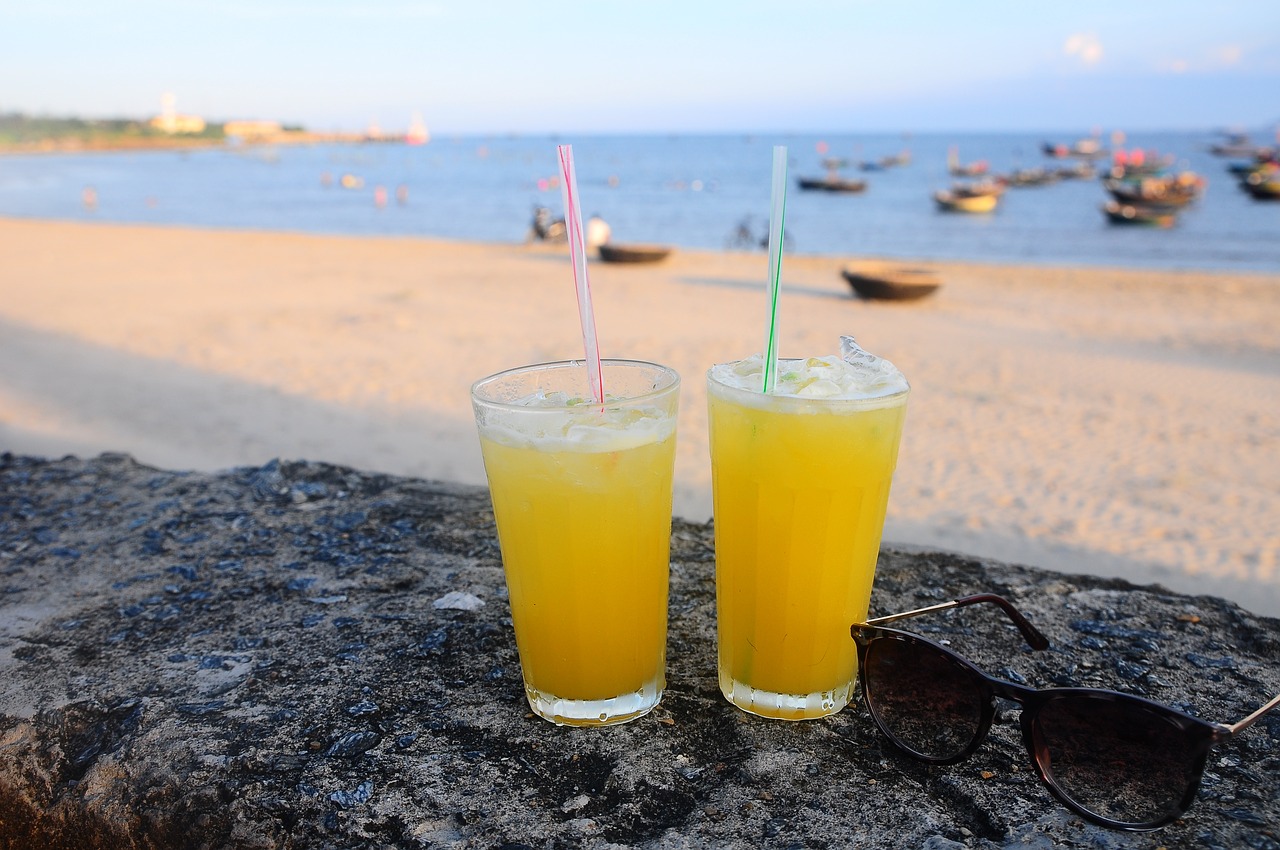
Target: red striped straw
[578,253]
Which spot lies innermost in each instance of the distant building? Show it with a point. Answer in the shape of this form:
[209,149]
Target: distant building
[178,124]
[252,129]
[169,121]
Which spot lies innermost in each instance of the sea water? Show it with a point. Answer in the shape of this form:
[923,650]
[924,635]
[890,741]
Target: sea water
[697,192]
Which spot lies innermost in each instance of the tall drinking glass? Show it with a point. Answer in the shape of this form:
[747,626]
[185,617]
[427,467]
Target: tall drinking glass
[800,482]
[582,498]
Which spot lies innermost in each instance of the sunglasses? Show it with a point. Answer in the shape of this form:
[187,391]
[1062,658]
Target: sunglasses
[1118,760]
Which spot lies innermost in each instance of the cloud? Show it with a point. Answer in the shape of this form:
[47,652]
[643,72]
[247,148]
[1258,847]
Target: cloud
[1216,58]
[1085,47]
[1228,54]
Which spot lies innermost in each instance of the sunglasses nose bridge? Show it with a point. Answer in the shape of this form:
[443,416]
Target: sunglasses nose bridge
[1020,694]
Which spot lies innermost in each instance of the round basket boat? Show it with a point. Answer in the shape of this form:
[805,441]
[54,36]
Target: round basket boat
[612,252]
[889,282]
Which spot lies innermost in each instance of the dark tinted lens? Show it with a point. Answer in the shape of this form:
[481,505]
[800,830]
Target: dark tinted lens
[923,699]
[1120,760]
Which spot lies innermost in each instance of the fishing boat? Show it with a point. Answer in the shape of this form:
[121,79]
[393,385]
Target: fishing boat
[1263,185]
[1136,164]
[1089,148]
[1081,170]
[1032,177]
[1237,146]
[1171,191]
[978,197]
[902,157]
[952,202]
[1118,213]
[1242,170]
[884,281]
[884,163]
[956,168]
[613,252]
[832,183]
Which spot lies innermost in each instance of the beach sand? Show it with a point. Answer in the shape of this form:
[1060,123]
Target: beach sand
[1103,421]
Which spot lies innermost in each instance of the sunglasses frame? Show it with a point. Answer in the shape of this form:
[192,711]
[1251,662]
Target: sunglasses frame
[1201,736]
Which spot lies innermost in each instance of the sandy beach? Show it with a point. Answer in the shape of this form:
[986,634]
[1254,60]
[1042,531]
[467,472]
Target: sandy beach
[1105,421]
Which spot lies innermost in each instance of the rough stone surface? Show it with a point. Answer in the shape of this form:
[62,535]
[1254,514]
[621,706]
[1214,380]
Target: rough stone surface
[255,659]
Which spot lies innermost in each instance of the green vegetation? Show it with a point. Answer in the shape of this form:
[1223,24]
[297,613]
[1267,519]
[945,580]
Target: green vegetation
[35,133]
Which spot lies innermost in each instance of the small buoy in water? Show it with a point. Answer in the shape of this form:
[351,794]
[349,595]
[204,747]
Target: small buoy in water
[380,196]
[89,197]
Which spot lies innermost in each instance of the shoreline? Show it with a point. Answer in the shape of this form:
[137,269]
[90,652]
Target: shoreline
[1104,420]
[975,266]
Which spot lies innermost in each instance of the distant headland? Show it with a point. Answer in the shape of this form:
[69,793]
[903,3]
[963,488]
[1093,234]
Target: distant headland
[21,133]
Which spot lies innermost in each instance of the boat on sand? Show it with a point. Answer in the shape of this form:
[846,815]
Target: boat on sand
[886,281]
[613,252]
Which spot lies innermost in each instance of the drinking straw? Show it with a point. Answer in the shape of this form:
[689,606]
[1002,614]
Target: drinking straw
[777,212]
[578,253]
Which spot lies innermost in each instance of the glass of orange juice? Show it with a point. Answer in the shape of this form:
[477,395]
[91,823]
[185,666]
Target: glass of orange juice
[800,485]
[582,499]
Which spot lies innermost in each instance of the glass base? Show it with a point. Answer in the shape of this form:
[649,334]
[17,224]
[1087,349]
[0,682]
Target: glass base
[784,706]
[598,712]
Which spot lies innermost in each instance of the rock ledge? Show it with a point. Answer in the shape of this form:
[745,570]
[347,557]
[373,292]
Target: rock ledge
[257,659]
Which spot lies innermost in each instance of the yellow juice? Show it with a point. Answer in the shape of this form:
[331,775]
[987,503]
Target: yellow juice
[582,499]
[800,490]
[585,540]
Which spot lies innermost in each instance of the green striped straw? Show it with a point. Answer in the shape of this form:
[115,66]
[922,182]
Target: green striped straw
[777,212]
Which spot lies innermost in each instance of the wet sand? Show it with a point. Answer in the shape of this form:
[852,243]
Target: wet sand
[1107,421]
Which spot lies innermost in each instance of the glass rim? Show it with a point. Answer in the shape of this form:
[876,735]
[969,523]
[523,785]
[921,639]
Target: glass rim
[478,396]
[756,398]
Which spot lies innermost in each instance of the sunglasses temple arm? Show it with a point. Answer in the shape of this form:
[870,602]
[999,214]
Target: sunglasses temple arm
[1253,718]
[1030,632]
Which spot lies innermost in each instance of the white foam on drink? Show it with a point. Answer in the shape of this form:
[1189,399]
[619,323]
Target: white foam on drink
[853,374]
[556,421]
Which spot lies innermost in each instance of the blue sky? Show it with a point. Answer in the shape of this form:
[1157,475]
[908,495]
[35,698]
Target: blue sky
[472,66]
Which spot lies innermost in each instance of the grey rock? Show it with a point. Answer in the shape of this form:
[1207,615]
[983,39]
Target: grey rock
[460,600]
[253,659]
